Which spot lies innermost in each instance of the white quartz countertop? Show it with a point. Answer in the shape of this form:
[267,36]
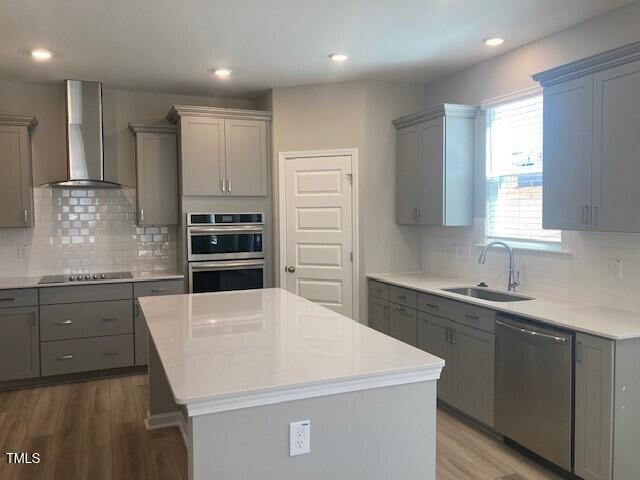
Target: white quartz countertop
[32,282]
[229,350]
[600,321]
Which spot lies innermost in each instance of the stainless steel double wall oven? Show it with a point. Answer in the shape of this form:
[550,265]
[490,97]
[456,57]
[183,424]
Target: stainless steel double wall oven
[225,251]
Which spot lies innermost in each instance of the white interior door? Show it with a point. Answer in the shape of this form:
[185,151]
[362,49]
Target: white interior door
[317,261]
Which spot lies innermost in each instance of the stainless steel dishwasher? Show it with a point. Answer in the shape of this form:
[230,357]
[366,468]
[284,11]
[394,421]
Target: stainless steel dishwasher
[534,388]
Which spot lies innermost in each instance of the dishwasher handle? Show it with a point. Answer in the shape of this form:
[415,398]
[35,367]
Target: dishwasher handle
[533,333]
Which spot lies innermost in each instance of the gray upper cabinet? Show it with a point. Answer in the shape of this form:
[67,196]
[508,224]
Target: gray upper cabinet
[223,152]
[435,165]
[16,180]
[567,155]
[19,343]
[594,407]
[156,174]
[591,140]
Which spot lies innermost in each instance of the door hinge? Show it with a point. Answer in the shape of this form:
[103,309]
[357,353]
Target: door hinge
[351,256]
[350,178]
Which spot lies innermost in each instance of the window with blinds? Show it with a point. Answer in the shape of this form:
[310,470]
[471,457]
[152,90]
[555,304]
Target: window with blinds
[514,172]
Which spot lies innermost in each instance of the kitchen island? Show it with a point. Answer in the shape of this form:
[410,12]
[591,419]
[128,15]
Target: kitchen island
[234,369]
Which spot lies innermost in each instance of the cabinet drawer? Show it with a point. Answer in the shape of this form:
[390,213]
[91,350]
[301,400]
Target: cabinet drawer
[403,296]
[403,324]
[378,290]
[86,354]
[79,320]
[85,293]
[19,297]
[161,287]
[432,304]
[476,317]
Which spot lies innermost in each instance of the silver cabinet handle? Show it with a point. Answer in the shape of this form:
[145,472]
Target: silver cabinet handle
[453,336]
[585,214]
[578,352]
[65,357]
[447,334]
[26,216]
[8,299]
[435,307]
[472,317]
[142,215]
[291,269]
[223,186]
[158,290]
[229,185]
[136,309]
[64,322]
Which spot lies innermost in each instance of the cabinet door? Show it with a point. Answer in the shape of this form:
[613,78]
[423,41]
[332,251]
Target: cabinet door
[474,353]
[379,314]
[434,334]
[157,178]
[432,174]
[202,154]
[403,324]
[407,176]
[19,343]
[567,147]
[246,157]
[593,407]
[141,336]
[15,177]
[616,145]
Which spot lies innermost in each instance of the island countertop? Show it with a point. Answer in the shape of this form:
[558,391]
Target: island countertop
[229,350]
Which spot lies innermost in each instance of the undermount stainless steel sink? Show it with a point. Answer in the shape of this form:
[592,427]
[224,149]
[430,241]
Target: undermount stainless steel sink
[486,294]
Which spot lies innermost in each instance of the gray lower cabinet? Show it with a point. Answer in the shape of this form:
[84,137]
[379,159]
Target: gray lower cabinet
[86,354]
[403,324]
[594,407]
[149,289]
[434,336]
[379,314]
[19,343]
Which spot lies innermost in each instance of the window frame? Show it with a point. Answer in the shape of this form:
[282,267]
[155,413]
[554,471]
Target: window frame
[525,244]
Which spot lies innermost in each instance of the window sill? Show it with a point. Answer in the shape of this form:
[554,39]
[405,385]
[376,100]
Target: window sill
[530,247]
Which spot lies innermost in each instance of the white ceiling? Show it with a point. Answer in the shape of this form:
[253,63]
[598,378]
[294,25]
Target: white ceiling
[169,45]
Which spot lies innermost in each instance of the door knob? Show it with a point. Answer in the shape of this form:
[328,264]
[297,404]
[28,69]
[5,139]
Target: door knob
[291,269]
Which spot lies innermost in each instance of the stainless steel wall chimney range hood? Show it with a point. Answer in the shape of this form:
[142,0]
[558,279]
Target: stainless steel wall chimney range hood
[85,153]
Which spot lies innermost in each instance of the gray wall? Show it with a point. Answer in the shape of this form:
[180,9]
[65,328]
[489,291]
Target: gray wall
[355,115]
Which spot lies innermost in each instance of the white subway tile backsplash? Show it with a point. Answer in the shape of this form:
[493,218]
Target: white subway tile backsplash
[86,230]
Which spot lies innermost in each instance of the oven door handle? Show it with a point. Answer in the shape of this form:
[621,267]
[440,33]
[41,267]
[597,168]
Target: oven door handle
[199,266]
[224,230]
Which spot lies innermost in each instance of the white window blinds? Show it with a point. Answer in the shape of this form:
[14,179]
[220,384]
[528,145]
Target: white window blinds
[514,172]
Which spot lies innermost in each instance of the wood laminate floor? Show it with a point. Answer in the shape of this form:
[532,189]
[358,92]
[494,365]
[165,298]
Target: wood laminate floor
[95,430]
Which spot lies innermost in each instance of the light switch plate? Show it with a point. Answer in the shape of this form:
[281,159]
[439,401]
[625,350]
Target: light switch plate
[299,438]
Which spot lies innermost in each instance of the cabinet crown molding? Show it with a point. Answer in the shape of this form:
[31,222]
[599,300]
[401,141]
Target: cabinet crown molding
[217,112]
[28,121]
[595,63]
[136,128]
[442,110]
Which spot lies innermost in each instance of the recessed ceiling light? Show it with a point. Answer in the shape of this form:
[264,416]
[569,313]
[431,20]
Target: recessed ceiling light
[493,41]
[338,57]
[222,72]
[41,54]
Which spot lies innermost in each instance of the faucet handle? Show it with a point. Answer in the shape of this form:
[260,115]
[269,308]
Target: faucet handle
[516,282]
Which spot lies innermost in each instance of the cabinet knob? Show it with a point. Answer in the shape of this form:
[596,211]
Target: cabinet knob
[290,269]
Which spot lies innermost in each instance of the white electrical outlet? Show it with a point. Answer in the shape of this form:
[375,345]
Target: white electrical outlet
[299,438]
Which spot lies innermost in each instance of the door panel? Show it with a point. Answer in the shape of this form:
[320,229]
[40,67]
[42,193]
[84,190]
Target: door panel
[246,157]
[433,334]
[403,324]
[19,343]
[474,350]
[408,176]
[567,146]
[432,172]
[616,146]
[203,156]
[15,177]
[379,314]
[318,229]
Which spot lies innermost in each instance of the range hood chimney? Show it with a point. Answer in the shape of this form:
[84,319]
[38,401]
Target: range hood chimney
[85,153]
